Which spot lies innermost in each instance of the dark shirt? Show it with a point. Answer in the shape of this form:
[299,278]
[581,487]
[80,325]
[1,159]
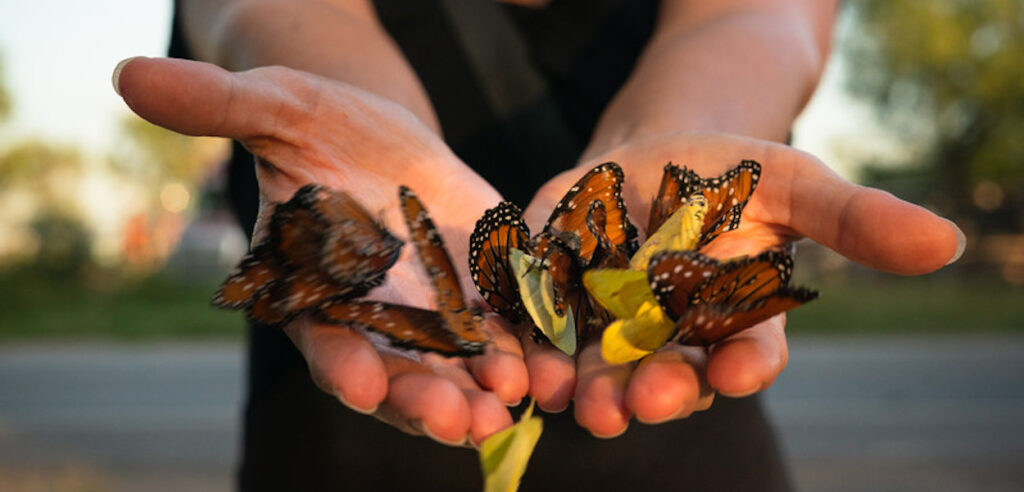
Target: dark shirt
[518,92]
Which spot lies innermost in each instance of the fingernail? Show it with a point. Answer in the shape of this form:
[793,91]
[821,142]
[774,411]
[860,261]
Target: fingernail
[116,78]
[742,394]
[961,243]
[364,411]
[612,435]
[418,425]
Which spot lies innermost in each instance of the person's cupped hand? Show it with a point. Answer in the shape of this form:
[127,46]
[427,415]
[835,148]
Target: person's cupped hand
[797,196]
[308,129]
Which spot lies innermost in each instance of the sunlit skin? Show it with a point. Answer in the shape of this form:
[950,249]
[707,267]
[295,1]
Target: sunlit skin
[364,125]
[316,130]
[798,196]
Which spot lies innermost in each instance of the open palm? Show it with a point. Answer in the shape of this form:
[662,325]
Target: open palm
[307,129]
[797,196]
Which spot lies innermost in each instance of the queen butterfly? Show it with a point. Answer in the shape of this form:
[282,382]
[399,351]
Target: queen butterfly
[286,268]
[324,250]
[459,318]
[405,326]
[604,184]
[727,195]
[606,254]
[499,230]
[712,300]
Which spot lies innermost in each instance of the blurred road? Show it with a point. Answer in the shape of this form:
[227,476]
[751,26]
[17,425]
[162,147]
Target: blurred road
[855,414]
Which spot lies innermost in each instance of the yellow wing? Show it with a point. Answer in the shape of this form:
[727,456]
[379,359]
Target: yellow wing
[504,455]
[537,293]
[629,339]
[681,231]
[621,292]
[642,326]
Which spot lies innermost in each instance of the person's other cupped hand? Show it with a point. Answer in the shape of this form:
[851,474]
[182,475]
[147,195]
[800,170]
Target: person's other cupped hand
[307,129]
[797,196]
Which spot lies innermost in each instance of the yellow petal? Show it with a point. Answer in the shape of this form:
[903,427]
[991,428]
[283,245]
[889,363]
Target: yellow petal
[681,231]
[504,455]
[537,293]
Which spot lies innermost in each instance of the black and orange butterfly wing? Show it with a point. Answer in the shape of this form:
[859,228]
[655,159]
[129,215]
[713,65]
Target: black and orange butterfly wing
[602,183]
[675,276]
[561,262]
[499,230]
[712,300]
[357,249]
[727,196]
[405,326]
[676,186]
[254,275]
[460,319]
[706,323]
[329,231]
[606,254]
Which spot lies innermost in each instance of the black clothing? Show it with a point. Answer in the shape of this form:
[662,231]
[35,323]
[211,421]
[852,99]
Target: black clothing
[565,62]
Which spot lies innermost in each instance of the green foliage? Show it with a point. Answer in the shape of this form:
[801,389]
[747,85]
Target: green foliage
[64,246]
[947,73]
[36,305]
[156,155]
[5,98]
[919,305]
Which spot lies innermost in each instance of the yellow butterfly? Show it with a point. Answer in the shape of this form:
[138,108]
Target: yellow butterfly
[642,326]
[538,295]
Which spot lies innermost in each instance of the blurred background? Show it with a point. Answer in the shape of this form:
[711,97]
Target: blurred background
[116,375]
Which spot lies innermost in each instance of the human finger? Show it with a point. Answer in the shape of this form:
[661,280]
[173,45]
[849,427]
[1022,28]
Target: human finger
[197,98]
[422,402]
[487,413]
[599,400]
[342,362]
[668,384]
[749,361]
[501,369]
[869,226]
[552,374]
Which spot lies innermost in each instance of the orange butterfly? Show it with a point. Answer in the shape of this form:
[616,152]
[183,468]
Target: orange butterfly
[498,231]
[603,184]
[727,195]
[712,300]
[324,250]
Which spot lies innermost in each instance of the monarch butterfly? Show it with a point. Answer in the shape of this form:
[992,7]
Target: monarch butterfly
[727,196]
[324,250]
[712,300]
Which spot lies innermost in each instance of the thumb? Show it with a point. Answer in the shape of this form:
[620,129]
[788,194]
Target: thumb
[869,226]
[197,98]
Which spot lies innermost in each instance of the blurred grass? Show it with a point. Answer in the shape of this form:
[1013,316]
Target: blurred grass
[900,305]
[36,306]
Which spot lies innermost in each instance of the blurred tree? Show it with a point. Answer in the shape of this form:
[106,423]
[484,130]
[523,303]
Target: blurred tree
[47,172]
[947,76]
[5,98]
[38,182]
[157,157]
